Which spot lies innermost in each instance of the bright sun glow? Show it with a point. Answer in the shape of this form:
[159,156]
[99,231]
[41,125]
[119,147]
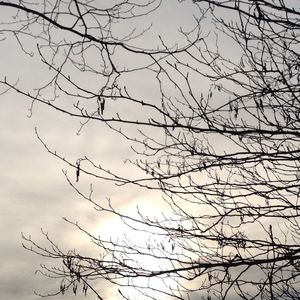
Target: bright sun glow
[115,229]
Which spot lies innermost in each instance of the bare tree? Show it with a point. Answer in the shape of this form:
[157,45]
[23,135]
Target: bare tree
[221,142]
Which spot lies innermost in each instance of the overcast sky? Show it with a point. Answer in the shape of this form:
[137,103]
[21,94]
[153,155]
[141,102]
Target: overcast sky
[33,190]
[34,193]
